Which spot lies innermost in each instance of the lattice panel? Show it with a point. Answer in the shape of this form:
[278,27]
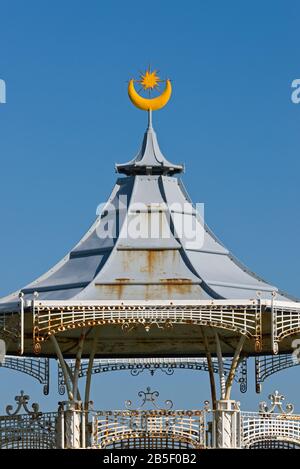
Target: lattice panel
[268,365]
[166,365]
[147,427]
[243,318]
[38,368]
[286,321]
[27,432]
[262,427]
[10,326]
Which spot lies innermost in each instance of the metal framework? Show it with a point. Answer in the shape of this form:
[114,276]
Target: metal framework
[286,321]
[159,427]
[166,365]
[11,327]
[38,368]
[267,426]
[257,428]
[244,317]
[54,317]
[32,430]
[194,299]
[266,366]
[149,429]
[154,428]
[75,425]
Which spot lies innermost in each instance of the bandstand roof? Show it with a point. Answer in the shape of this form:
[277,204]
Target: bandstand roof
[167,267]
[147,268]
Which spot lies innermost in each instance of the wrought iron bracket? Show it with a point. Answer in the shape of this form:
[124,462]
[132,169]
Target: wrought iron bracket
[38,368]
[266,366]
[165,365]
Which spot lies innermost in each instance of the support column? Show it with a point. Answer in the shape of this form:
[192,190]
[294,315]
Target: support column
[63,366]
[21,296]
[227,416]
[221,367]
[234,365]
[87,435]
[210,369]
[227,425]
[77,364]
[72,417]
[71,376]
[90,369]
[70,423]
[60,428]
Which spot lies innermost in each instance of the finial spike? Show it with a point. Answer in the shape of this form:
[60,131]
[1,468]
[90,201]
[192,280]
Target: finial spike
[149,118]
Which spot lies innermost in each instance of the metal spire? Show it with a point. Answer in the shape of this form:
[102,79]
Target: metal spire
[150,159]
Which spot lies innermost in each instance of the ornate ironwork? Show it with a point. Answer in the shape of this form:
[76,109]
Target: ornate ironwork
[153,428]
[149,429]
[242,377]
[165,365]
[33,429]
[146,428]
[129,326]
[276,403]
[22,401]
[285,322]
[166,368]
[38,368]
[243,317]
[263,429]
[10,326]
[150,397]
[267,427]
[266,366]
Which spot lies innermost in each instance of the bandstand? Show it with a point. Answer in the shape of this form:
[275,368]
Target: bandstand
[149,288]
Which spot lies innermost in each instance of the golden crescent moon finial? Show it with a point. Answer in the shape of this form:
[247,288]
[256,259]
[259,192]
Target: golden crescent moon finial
[149,80]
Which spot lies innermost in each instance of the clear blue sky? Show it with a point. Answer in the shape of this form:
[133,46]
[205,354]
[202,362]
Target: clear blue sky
[68,120]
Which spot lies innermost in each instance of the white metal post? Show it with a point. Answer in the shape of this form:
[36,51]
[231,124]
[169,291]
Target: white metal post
[21,296]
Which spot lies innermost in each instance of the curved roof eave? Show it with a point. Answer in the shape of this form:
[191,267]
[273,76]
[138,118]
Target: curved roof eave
[129,268]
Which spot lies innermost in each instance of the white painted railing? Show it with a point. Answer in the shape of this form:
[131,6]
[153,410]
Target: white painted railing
[152,428]
[28,432]
[141,428]
[259,427]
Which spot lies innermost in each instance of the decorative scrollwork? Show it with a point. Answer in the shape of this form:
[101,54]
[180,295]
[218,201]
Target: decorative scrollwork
[238,316]
[22,401]
[243,379]
[165,365]
[150,397]
[37,348]
[152,368]
[60,380]
[61,389]
[164,429]
[136,371]
[129,326]
[276,403]
[25,428]
[168,371]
